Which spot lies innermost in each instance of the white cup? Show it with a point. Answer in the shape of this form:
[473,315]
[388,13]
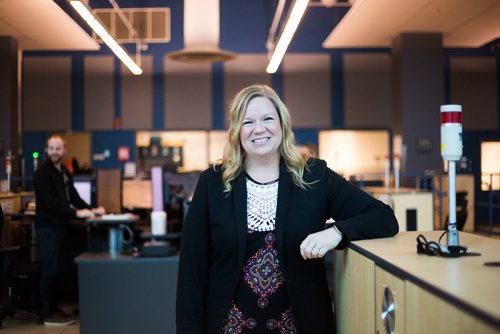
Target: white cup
[158,222]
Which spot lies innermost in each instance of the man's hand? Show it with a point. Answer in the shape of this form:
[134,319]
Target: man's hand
[84,213]
[99,211]
[317,244]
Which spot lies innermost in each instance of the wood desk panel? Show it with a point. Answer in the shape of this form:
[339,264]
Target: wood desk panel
[464,287]
[357,271]
[384,279]
[427,313]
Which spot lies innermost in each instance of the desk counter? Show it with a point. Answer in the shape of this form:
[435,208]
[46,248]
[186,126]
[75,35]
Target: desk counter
[431,294]
[123,294]
[14,202]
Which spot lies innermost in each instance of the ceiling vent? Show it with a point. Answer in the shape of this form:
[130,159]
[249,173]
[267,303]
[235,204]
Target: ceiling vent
[151,24]
[201,34]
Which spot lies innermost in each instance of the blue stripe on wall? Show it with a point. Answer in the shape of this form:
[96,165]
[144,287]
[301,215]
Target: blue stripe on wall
[498,90]
[447,91]
[217,96]
[158,90]
[337,90]
[118,89]
[277,82]
[77,94]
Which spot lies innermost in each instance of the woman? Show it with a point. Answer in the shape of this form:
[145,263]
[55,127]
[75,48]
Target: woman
[254,235]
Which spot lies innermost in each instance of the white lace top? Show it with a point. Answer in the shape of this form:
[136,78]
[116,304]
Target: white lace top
[261,205]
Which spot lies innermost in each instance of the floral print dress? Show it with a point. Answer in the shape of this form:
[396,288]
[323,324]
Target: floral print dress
[260,304]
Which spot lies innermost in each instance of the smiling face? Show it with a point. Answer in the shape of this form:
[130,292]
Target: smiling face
[56,150]
[261,133]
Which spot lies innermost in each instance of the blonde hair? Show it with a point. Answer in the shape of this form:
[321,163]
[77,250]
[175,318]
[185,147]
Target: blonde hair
[233,160]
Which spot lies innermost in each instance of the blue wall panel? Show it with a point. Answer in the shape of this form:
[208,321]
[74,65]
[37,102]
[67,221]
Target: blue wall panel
[218,96]
[337,87]
[77,94]
[111,140]
[158,89]
[306,136]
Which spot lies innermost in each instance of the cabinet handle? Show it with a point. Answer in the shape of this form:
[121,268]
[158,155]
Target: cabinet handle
[388,311]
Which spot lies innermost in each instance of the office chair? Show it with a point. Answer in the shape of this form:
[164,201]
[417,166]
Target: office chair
[17,277]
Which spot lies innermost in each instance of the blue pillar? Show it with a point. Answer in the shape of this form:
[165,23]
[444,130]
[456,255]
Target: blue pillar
[77,93]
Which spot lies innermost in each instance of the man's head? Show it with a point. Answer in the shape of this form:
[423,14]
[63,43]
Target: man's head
[56,149]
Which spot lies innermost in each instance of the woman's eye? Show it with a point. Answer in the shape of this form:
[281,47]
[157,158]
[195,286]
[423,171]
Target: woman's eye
[247,122]
[268,119]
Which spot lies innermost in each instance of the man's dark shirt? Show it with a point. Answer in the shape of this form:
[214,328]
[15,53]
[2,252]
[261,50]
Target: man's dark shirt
[56,197]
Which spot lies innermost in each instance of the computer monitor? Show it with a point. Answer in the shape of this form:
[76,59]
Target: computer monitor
[84,189]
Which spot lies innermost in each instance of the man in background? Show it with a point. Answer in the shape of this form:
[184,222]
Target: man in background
[57,202]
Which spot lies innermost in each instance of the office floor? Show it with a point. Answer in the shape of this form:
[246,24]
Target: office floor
[23,324]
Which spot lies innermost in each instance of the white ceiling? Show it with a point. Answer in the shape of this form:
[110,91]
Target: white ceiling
[42,25]
[375,23]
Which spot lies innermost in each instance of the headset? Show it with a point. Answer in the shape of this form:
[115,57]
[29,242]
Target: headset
[433,248]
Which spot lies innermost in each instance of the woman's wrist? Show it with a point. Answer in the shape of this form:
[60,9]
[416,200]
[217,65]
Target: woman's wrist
[336,236]
[336,229]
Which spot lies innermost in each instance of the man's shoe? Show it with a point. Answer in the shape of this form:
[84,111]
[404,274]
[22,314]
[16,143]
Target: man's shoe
[59,319]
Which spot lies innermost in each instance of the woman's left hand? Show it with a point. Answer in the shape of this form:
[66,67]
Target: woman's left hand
[317,244]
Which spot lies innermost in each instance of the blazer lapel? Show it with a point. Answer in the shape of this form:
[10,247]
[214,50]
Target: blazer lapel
[240,215]
[284,191]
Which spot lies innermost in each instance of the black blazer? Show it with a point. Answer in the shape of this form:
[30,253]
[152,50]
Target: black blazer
[53,208]
[214,240]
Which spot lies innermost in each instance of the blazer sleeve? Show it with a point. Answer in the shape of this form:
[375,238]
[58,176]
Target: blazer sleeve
[194,264]
[357,214]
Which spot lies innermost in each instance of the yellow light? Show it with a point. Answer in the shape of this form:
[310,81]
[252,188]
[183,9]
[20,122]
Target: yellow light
[298,11]
[105,36]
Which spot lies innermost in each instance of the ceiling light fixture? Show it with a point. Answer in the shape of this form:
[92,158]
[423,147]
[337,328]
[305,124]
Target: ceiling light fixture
[296,14]
[99,29]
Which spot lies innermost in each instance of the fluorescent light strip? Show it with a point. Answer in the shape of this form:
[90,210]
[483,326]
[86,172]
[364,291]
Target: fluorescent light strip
[105,36]
[298,11]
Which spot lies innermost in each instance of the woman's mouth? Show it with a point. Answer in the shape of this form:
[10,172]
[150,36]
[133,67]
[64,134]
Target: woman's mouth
[260,140]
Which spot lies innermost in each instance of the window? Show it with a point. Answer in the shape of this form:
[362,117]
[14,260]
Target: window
[490,165]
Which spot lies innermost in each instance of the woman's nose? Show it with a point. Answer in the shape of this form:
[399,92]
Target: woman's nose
[259,127]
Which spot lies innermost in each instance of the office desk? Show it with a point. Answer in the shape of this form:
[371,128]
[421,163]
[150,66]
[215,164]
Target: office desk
[431,294]
[122,294]
[413,208]
[14,202]
[28,237]
[112,223]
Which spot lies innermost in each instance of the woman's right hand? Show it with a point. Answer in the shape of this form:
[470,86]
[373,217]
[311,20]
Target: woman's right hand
[315,245]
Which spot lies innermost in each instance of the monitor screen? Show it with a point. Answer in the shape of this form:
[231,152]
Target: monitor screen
[84,189]
[137,194]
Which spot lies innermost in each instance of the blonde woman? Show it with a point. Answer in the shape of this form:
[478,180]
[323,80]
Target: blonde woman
[254,236]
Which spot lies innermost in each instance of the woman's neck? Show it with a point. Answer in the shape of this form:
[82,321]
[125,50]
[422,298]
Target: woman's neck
[263,171]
